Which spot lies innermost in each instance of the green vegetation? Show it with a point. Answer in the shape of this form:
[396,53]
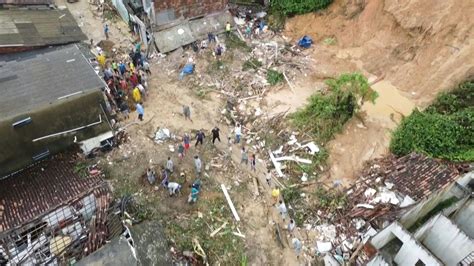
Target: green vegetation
[327,113]
[444,130]
[330,41]
[234,42]
[252,63]
[223,248]
[441,206]
[330,199]
[294,7]
[274,77]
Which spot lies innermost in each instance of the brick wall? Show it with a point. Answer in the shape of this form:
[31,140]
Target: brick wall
[190,8]
[17,49]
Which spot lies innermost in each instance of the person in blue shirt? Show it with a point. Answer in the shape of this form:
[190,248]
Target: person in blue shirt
[140,111]
[106,31]
[122,68]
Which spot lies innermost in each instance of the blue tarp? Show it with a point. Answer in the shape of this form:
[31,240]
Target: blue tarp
[305,42]
[187,70]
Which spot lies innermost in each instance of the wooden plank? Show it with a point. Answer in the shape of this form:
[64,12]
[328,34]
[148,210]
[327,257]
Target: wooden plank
[229,201]
[218,229]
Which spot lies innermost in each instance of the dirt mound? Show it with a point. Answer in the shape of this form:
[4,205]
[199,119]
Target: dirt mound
[418,47]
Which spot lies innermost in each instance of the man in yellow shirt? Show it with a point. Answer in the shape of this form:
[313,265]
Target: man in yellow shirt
[136,95]
[101,60]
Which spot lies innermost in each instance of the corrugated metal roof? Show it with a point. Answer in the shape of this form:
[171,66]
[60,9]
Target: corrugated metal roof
[38,28]
[187,32]
[26,2]
[32,79]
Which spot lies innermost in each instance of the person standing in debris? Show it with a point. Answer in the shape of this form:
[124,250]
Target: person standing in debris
[142,90]
[253,163]
[218,52]
[215,134]
[200,137]
[125,109]
[140,111]
[275,195]
[165,176]
[244,156]
[180,151]
[137,96]
[268,178]
[211,37]
[297,246]
[169,165]
[174,188]
[131,66]
[291,226]
[146,67]
[227,29]
[106,31]
[122,68]
[186,141]
[115,67]
[248,31]
[187,113]
[194,194]
[197,165]
[101,60]
[238,133]
[151,176]
[134,79]
[282,209]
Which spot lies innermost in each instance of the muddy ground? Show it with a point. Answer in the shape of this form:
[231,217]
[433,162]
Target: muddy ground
[409,54]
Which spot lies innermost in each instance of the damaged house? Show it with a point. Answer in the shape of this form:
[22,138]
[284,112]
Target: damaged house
[55,213]
[51,99]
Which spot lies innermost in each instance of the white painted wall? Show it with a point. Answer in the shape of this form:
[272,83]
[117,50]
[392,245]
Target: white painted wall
[465,218]
[410,252]
[444,239]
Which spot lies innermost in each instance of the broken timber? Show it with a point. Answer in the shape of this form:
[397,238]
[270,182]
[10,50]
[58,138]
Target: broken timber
[218,229]
[289,83]
[293,158]
[276,164]
[229,201]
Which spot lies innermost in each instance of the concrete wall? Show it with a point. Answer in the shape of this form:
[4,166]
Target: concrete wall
[16,143]
[444,239]
[422,208]
[411,250]
[465,218]
[190,8]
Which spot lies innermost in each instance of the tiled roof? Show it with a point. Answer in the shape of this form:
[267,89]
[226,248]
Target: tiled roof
[418,176]
[40,189]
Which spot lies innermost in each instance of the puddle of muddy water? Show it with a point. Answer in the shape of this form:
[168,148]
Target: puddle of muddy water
[390,106]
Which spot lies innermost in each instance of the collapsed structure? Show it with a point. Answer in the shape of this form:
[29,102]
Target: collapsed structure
[55,212]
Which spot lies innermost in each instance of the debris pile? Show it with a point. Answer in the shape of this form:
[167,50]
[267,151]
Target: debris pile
[386,188]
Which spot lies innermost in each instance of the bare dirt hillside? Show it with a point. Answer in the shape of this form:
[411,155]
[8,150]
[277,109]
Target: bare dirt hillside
[417,47]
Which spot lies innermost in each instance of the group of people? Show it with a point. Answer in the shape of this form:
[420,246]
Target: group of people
[127,81]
